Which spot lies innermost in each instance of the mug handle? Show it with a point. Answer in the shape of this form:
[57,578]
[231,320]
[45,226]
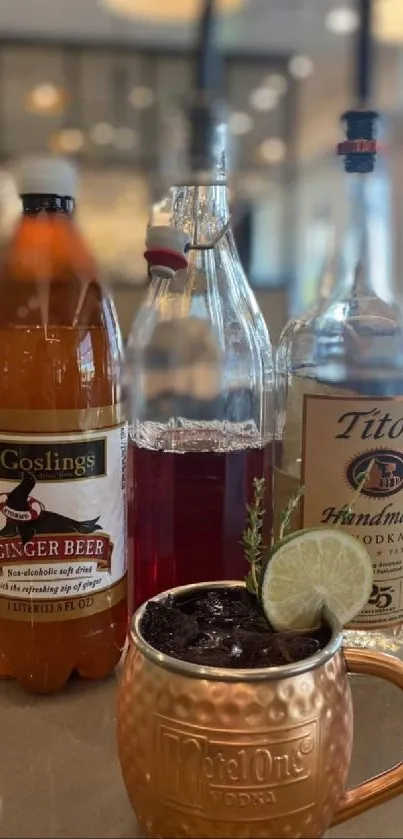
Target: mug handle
[388,784]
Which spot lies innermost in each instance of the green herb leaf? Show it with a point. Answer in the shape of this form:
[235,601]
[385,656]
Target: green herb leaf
[362,477]
[286,513]
[348,509]
[252,537]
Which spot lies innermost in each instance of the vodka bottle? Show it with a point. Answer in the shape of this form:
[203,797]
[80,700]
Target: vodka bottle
[340,397]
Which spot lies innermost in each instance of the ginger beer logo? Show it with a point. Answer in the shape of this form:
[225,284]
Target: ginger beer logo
[26,515]
[32,532]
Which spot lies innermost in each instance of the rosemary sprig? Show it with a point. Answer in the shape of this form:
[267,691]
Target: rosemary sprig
[252,537]
[362,478]
[286,513]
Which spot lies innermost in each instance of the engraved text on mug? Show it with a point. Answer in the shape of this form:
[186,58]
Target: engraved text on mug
[256,775]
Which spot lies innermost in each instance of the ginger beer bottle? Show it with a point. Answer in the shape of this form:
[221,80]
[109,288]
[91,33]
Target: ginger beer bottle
[62,447]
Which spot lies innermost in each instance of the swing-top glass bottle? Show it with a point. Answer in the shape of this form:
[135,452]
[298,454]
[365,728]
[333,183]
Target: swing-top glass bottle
[200,377]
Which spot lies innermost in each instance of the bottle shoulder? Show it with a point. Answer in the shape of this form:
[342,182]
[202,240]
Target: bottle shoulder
[199,348]
[60,342]
[54,240]
[48,276]
[297,327]
[369,313]
[210,296]
[198,328]
[347,339]
[289,332]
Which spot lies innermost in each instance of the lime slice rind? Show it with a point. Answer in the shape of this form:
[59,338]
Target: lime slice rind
[311,569]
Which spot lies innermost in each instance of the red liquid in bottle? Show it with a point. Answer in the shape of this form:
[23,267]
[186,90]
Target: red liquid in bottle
[187,511]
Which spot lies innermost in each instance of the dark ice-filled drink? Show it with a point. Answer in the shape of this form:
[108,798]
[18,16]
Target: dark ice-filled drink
[224,628]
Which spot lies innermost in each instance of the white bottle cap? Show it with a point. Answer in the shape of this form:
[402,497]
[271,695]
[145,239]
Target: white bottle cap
[162,237]
[48,176]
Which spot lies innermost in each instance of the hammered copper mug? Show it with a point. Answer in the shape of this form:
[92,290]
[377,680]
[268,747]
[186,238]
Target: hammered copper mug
[212,752]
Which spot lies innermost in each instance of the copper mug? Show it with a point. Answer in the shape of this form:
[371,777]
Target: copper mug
[213,752]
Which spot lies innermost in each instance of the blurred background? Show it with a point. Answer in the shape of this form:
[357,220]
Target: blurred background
[86,78]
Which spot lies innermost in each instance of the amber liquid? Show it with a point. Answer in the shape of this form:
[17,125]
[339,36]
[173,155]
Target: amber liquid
[186,514]
[60,350]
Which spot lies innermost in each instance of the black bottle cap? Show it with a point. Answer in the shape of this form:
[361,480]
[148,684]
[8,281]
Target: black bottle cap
[361,146]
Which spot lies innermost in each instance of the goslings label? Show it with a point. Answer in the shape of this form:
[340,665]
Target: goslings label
[344,439]
[53,461]
[62,524]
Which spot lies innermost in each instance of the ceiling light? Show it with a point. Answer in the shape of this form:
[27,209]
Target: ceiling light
[125,139]
[272,150]
[263,99]
[69,140]
[141,97]
[102,134]
[162,10]
[240,123]
[342,20]
[45,98]
[277,83]
[300,66]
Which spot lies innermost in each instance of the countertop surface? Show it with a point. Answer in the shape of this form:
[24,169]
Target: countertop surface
[59,773]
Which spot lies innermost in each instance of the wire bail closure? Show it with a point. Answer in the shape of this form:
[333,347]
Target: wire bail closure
[213,244]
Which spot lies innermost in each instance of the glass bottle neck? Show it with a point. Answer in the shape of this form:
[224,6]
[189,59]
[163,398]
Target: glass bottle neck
[326,273]
[201,211]
[366,269]
[34,204]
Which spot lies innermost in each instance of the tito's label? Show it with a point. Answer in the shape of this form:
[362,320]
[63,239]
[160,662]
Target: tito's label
[62,524]
[341,438]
